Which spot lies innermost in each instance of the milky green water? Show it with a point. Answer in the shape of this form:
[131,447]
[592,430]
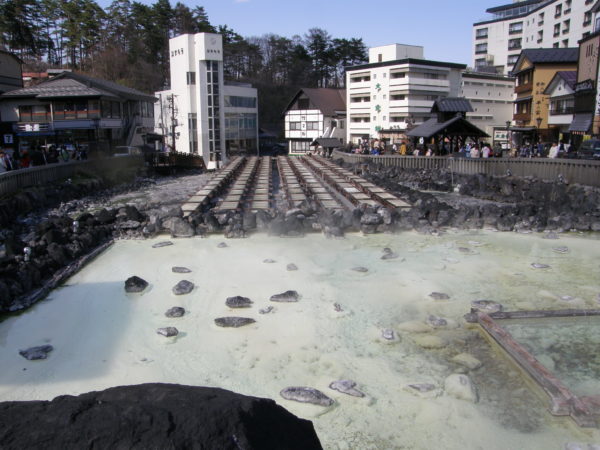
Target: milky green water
[104,337]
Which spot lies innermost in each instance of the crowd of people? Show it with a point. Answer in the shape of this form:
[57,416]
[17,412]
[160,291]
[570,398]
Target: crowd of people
[40,155]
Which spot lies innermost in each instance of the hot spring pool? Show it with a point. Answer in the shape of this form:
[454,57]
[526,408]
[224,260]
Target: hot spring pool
[103,337]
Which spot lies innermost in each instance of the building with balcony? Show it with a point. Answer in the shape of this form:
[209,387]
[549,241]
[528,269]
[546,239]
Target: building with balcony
[75,109]
[561,95]
[201,113]
[491,97]
[395,91]
[534,70]
[313,114]
[529,24]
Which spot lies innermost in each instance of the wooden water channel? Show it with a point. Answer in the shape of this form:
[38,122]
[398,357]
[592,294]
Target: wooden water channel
[247,184]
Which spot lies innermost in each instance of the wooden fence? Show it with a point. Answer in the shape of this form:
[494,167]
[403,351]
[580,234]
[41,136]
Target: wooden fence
[586,172]
[107,168]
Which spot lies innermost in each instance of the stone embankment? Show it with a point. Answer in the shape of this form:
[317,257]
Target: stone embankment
[154,416]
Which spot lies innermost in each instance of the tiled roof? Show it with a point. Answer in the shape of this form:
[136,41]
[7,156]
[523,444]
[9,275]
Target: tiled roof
[432,127]
[327,100]
[452,104]
[69,84]
[551,55]
[327,142]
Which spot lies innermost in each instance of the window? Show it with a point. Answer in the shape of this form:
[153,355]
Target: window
[374,76]
[558,11]
[312,125]
[480,62]
[556,29]
[239,102]
[540,36]
[565,43]
[397,97]
[541,19]
[397,75]
[374,117]
[481,33]
[384,75]
[514,44]
[384,96]
[303,103]
[566,26]
[191,78]
[383,117]
[294,126]
[587,18]
[341,124]
[379,57]
[567,7]
[481,48]
[555,45]
[515,28]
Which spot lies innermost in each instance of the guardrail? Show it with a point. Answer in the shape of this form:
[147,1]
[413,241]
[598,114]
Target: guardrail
[586,172]
[11,182]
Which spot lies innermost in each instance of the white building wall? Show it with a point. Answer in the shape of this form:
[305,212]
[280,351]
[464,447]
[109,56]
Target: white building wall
[491,98]
[538,31]
[304,124]
[390,94]
[395,52]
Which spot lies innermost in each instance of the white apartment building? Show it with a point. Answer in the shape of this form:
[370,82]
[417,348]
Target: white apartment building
[312,114]
[527,24]
[396,90]
[491,97]
[195,111]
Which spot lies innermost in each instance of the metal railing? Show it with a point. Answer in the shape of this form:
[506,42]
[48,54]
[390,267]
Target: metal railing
[13,181]
[585,172]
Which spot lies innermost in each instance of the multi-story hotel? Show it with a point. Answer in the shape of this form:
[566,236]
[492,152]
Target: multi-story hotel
[396,91]
[527,24]
[201,113]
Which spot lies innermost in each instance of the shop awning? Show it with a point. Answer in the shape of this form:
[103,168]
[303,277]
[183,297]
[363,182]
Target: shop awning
[581,122]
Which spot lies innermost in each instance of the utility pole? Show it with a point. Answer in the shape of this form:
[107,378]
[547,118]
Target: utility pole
[173,113]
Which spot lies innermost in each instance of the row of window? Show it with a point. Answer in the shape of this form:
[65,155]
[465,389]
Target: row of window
[83,109]
[396,75]
[240,102]
[309,126]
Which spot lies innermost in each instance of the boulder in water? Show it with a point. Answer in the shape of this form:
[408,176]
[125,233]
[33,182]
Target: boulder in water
[266,310]
[346,387]
[222,245]
[238,302]
[175,311]
[168,331]
[461,387]
[162,244]
[306,395]
[388,334]
[135,284]
[439,296]
[561,249]
[437,322]
[178,269]
[360,269]
[269,261]
[183,287]
[468,361]
[290,267]
[540,266]
[487,306]
[233,322]
[34,353]
[285,297]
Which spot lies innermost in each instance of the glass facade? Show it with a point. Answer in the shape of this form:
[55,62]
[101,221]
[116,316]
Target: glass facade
[239,102]
[214,121]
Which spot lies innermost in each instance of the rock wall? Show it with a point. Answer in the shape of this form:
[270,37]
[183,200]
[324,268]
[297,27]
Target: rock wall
[154,416]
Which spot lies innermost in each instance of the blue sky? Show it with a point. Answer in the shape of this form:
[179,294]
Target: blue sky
[443,27]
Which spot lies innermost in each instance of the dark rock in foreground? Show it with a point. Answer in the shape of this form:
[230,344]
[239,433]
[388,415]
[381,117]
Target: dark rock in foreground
[135,284]
[233,322]
[183,287]
[306,395]
[238,302]
[164,416]
[33,353]
[175,311]
[285,297]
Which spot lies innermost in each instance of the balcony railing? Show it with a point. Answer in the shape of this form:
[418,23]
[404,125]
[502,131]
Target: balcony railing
[522,117]
[481,52]
[561,111]
[524,88]
[481,36]
[514,47]
[515,31]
